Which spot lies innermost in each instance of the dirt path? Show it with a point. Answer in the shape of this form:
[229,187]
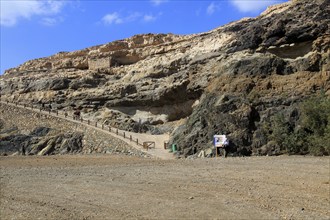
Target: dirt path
[114,187]
[158,151]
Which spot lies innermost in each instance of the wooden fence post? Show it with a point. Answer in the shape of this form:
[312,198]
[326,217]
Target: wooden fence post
[95,124]
[130,137]
[102,126]
[124,134]
[137,141]
[117,131]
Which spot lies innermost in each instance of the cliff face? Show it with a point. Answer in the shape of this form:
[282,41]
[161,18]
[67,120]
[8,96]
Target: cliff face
[229,80]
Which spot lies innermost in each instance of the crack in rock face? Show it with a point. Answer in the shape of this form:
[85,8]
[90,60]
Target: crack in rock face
[231,80]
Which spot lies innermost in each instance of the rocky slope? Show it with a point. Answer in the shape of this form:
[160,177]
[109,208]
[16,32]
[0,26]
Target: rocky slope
[229,80]
[24,132]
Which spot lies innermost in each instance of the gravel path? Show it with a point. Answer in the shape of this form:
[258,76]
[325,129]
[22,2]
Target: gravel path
[158,151]
[119,187]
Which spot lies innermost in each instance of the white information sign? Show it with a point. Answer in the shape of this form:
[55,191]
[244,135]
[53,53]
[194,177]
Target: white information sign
[219,140]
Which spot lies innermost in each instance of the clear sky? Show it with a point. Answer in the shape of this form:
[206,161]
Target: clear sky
[38,28]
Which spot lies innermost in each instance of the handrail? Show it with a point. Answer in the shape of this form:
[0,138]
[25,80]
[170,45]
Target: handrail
[57,113]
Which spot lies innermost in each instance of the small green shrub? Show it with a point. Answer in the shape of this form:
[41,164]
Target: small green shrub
[290,141]
[279,130]
[315,118]
[315,114]
[312,132]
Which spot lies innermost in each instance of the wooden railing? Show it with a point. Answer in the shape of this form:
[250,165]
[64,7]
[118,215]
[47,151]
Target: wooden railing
[65,115]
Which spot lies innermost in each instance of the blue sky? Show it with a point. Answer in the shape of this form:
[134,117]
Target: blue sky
[37,28]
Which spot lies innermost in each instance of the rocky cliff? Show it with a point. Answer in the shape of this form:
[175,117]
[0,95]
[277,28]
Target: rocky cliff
[229,80]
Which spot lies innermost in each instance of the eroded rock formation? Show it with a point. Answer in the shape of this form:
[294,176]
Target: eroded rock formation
[229,80]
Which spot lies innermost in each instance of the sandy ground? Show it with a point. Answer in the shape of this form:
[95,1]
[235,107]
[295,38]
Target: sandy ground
[118,187]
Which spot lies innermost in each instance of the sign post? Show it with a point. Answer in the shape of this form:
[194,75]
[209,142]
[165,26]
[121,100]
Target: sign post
[218,142]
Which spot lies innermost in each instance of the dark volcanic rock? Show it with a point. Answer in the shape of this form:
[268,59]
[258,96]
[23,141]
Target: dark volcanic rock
[229,80]
[219,115]
[39,143]
[40,131]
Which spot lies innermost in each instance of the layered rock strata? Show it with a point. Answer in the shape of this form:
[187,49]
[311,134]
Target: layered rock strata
[228,80]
